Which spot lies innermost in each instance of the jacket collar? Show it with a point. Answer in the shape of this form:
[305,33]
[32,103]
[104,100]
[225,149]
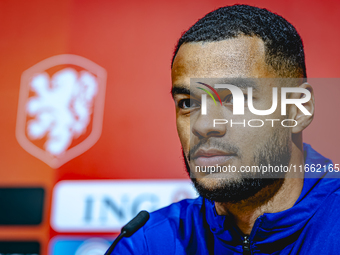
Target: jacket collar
[285,225]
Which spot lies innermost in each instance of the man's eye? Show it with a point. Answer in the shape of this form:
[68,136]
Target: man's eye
[187,103]
[229,99]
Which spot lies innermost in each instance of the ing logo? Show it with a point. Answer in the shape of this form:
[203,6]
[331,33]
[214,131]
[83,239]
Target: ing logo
[60,109]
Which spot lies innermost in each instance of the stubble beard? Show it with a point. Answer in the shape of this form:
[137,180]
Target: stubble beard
[276,151]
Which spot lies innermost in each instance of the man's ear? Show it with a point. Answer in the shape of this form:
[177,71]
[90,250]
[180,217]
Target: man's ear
[295,113]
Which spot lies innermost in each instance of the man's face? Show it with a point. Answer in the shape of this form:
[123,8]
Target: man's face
[205,145]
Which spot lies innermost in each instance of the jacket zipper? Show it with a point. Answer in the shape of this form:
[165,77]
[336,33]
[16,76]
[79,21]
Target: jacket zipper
[246,245]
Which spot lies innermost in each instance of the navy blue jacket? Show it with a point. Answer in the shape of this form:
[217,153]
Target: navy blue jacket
[192,226]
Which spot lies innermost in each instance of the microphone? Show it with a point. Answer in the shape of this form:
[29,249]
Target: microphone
[130,228]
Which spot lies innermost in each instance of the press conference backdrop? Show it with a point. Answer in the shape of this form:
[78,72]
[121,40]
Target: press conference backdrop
[88,134]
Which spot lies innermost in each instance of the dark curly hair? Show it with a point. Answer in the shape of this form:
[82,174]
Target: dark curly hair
[283,45]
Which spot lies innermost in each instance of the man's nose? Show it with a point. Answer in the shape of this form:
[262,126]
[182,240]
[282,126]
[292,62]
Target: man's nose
[203,126]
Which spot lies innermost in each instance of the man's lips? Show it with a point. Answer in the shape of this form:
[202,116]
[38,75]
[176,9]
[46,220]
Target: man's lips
[211,157]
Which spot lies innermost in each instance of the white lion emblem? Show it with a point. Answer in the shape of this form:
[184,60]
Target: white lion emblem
[62,107]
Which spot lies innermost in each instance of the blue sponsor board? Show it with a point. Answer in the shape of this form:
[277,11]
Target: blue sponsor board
[79,245]
[19,248]
[14,201]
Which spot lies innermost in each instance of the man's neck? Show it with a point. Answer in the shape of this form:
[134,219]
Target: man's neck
[245,213]
[277,197]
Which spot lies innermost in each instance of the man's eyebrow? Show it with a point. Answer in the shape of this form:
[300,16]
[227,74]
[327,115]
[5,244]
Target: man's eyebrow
[180,90]
[242,83]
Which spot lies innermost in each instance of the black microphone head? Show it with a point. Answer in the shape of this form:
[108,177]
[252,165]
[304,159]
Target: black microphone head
[136,223]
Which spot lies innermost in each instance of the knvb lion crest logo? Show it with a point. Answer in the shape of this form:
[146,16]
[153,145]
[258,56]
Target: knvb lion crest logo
[61,106]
